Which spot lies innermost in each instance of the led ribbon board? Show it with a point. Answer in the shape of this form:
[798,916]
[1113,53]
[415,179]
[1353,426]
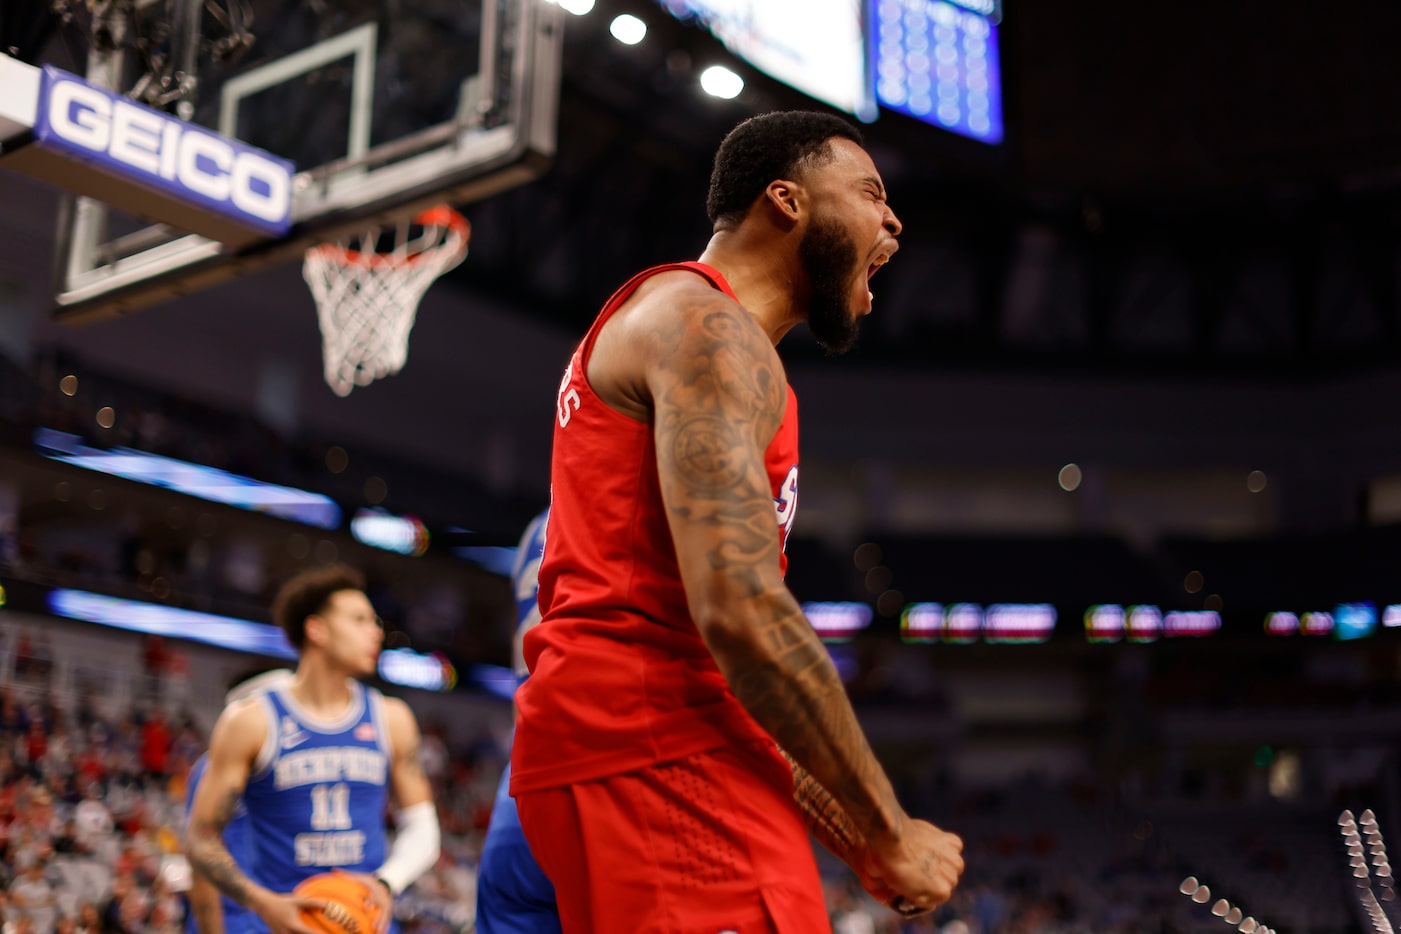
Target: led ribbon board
[432,672]
[241,635]
[837,621]
[208,483]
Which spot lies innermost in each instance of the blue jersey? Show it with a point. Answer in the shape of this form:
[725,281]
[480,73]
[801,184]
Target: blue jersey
[318,793]
[237,919]
[514,896]
[525,580]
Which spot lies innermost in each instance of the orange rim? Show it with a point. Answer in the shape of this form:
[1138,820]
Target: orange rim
[437,216]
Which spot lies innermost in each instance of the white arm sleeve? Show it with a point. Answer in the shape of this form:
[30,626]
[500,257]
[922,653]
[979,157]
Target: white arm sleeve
[415,849]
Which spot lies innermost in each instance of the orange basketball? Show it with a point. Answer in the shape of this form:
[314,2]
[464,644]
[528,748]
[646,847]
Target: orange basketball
[348,907]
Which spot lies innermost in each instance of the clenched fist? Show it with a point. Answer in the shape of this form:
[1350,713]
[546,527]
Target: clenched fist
[915,872]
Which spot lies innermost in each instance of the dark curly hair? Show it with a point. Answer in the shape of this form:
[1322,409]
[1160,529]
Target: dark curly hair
[767,147]
[307,594]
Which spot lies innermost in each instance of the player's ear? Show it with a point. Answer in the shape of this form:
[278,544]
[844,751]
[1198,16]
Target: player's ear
[316,631]
[784,196]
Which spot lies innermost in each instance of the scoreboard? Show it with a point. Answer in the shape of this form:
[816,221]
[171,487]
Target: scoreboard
[937,61]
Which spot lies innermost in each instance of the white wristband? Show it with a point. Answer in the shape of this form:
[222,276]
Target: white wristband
[415,849]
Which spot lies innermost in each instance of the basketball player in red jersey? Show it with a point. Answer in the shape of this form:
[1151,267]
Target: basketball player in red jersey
[679,702]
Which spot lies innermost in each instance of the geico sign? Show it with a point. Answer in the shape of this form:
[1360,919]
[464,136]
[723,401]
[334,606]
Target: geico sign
[139,141]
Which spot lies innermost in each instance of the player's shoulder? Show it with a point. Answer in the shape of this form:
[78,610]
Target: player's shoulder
[245,711]
[197,770]
[242,723]
[682,292]
[397,713]
[399,723]
[682,313]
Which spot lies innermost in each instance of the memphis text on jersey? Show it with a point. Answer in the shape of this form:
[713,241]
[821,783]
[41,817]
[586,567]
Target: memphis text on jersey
[326,772]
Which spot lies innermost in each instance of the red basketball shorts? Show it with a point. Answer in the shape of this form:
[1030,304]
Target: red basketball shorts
[705,845]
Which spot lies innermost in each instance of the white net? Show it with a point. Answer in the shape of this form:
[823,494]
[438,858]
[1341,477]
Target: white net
[367,300]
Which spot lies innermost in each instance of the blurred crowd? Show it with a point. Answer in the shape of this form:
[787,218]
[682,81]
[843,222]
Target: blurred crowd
[92,809]
[92,802]
[92,813]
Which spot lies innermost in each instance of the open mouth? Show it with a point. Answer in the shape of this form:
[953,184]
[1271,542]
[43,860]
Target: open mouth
[880,260]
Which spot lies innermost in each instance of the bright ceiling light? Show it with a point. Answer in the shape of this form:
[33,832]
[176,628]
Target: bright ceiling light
[577,7]
[719,81]
[628,29]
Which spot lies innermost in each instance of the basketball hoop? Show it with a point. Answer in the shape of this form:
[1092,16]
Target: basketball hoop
[367,298]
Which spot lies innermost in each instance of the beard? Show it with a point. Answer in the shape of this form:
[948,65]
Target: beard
[828,257]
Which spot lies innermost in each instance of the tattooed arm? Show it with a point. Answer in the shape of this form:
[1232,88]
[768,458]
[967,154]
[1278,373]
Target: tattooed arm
[718,398]
[829,823]
[718,395]
[825,818]
[233,748]
[234,745]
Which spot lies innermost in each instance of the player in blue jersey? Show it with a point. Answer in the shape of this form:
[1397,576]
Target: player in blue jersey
[513,894]
[315,762]
[210,911]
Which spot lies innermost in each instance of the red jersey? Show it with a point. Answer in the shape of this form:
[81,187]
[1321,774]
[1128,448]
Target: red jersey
[620,678]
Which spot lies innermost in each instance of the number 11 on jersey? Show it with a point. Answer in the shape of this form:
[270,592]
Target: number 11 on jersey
[330,807]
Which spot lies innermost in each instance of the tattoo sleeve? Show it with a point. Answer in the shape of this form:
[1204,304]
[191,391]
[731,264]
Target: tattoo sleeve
[826,819]
[209,855]
[718,398]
